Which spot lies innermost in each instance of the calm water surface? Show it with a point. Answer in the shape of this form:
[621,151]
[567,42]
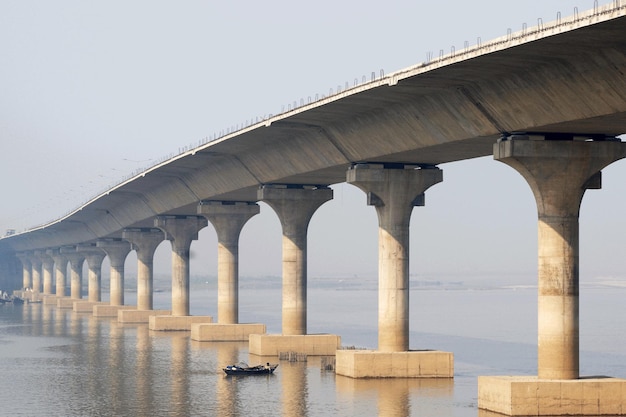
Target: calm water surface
[56,362]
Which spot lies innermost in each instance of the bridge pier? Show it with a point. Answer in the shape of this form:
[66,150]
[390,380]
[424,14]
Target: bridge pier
[558,172]
[76,261]
[26,270]
[60,270]
[294,205]
[180,231]
[228,218]
[144,241]
[116,250]
[393,191]
[47,264]
[35,262]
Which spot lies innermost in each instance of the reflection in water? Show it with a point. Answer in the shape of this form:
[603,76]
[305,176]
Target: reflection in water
[180,373]
[57,362]
[398,397]
[294,389]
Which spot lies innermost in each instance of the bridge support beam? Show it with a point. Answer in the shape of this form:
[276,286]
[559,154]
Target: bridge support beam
[558,173]
[294,205]
[144,241]
[180,231]
[228,218]
[393,191]
[35,262]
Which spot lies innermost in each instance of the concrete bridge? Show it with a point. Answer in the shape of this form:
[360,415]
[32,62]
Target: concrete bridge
[549,101]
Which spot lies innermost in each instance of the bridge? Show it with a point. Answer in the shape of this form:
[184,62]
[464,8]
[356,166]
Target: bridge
[549,101]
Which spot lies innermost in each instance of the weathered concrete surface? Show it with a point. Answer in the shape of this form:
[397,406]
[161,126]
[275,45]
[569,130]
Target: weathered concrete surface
[310,344]
[559,172]
[219,332]
[176,323]
[138,316]
[531,396]
[409,364]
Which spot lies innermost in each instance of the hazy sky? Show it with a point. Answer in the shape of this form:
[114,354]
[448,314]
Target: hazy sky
[90,91]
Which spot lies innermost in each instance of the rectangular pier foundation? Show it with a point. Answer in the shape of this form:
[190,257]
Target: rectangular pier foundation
[105,310]
[138,316]
[67,303]
[50,300]
[215,332]
[85,306]
[530,396]
[309,344]
[410,364]
[176,323]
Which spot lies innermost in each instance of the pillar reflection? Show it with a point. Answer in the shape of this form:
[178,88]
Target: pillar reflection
[144,391]
[226,387]
[398,397]
[117,356]
[294,389]
[179,373]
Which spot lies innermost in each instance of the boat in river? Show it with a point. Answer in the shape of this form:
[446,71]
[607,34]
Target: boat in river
[242,368]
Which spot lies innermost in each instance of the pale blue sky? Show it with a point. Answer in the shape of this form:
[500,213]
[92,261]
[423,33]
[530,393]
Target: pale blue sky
[90,91]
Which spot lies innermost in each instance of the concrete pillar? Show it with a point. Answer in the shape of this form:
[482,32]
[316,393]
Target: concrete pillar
[558,173]
[393,191]
[180,231]
[47,265]
[94,257]
[76,274]
[117,250]
[35,262]
[145,242]
[294,205]
[26,270]
[228,218]
[60,269]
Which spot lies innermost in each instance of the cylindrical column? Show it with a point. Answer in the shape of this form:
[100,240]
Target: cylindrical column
[26,270]
[394,193]
[181,231]
[228,218]
[94,257]
[117,250]
[47,265]
[60,269]
[558,173]
[145,242]
[294,205]
[76,271]
[35,262]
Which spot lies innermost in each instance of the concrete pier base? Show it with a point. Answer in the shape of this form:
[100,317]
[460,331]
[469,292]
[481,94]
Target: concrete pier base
[216,332]
[139,316]
[176,323]
[310,344]
[105,310]
[531,396]
[67,303]
[409,364]
[85,306]
[50,300]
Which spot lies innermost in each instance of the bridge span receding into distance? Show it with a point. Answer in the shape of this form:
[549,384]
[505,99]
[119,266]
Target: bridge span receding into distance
[549,101]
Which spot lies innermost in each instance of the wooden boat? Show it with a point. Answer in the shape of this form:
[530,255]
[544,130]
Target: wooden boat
[242,368]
